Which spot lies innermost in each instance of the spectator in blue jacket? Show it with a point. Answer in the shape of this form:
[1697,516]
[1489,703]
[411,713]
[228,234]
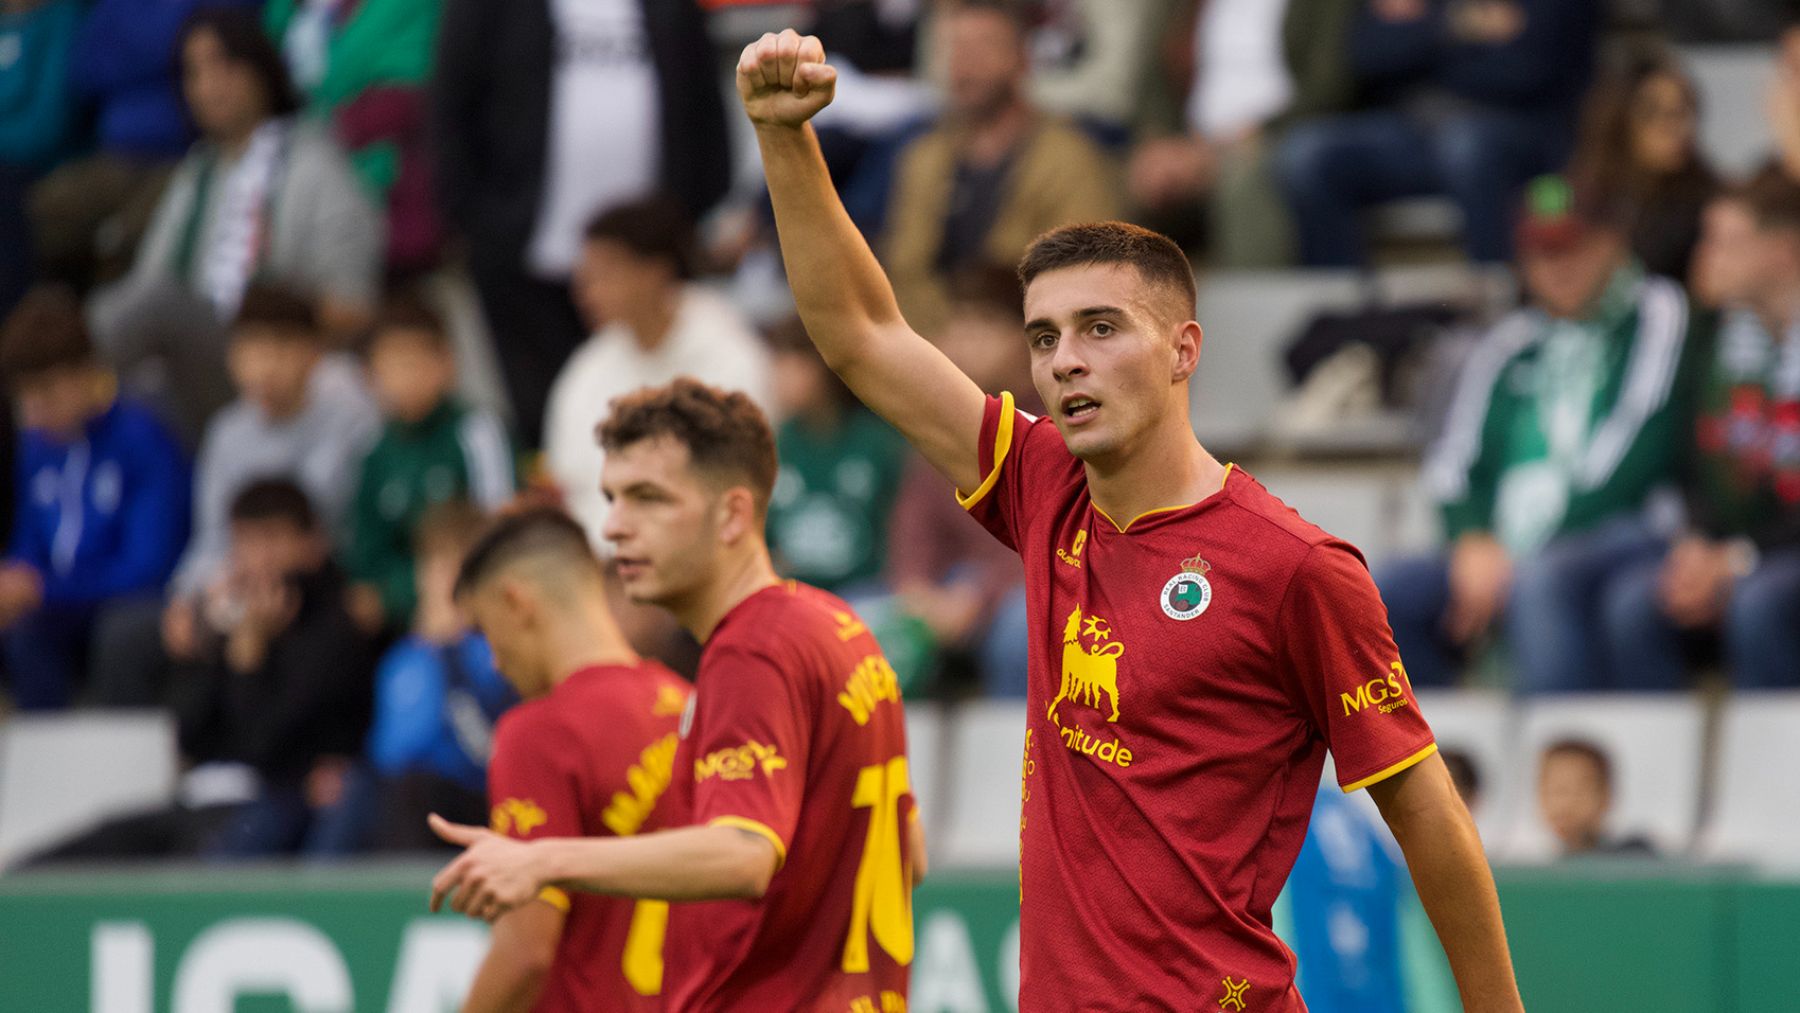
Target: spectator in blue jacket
[1345,894]
[102,500]
[437,696]
[90,213]
[1467,99]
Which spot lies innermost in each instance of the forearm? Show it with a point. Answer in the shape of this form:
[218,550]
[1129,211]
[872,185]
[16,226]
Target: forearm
[521,951]
[1450,872]
[692,863]
[503,986]
[839,288]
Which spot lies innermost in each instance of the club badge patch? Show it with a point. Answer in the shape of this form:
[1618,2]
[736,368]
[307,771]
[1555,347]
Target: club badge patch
[1188,593]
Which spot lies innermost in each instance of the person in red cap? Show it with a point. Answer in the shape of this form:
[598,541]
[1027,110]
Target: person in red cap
[1565,424]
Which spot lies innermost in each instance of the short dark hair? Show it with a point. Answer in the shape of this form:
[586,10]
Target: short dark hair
[274,499]
[655,227]
[46,331]
[453,526]
[1771,197]
[540,532]
[723,431]
[241,35]
[1155,255]
[409,312]
[274,309]
[1585,749]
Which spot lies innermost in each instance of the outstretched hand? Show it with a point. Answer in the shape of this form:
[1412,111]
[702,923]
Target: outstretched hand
[783,79]
[492,876]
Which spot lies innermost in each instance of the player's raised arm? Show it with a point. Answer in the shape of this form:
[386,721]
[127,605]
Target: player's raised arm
[844,299]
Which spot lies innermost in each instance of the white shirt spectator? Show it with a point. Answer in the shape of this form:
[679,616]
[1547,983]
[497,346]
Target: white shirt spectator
[1242,79]
[710,341]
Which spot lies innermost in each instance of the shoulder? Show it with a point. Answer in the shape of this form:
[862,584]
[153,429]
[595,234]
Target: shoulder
[529,728]
[779,625]
[1059,135]
[1273,524]
[137,423]
[313,150]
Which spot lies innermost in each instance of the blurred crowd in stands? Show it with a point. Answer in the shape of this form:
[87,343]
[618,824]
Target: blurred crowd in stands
[299,292]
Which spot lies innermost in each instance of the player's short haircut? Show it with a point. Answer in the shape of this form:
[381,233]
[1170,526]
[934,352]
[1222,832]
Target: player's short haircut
[1008,9]
[407,312]
[724,432]
[449,528]
[541,536]
[45,332]
[1771,198]
[1585,750]
[1157,259]
[274,311]
[655,228]
[274,499]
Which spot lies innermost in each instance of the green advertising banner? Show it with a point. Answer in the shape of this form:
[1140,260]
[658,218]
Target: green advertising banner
[1634,940]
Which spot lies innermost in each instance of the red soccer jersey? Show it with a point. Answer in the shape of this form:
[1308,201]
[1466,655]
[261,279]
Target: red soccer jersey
[590,760]
[1188,671]
[796,734]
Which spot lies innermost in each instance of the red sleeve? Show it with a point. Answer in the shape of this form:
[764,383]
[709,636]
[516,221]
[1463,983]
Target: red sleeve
[996,502]
[751,747]
[1342,660]
[532,787]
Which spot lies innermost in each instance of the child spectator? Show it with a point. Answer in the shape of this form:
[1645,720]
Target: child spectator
[260,197]
[437,696]
[297,415]
[651,324]
[840,472]
[102,500]
[432,449]
[1575,794]
[282,681]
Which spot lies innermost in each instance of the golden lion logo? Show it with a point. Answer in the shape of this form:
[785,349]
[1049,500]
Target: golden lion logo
[1089,673]
[516,817]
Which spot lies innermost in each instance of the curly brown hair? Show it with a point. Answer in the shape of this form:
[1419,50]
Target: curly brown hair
[724,432]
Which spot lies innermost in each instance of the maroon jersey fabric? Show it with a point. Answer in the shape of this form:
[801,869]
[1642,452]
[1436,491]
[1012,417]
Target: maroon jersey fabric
[796,733]
[592,759]
[1189,669]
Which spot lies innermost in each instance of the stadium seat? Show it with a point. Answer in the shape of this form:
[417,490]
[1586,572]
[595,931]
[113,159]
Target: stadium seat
[1655,744]
[1249,317]
[981,814]
[1733,81]
[1755,798]
[60,773]
[1482,725]
[924,746]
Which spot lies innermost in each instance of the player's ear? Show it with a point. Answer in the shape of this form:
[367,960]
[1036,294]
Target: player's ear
[521,603]
[1187,350]
[737,514]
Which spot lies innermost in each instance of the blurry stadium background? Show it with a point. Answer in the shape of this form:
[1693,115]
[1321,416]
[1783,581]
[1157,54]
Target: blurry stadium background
[1328,367]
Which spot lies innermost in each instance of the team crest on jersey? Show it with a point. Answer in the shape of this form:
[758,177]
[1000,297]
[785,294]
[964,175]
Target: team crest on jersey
[1188,593]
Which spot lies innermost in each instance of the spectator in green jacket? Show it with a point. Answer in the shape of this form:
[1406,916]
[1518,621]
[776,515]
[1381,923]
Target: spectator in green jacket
[432,449]
[1736,569]
[363,66]
[1565,424]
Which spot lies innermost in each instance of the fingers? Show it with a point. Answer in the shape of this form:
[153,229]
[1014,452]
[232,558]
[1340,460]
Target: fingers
[788,56]
[773,61]
[444,884]
[454,833]
[811,77]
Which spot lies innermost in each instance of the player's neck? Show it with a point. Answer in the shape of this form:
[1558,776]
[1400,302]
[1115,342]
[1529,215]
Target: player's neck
[1169,468]
[738,578]
[585,637]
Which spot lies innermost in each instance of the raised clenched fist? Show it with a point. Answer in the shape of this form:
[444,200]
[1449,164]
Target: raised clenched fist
[783,79]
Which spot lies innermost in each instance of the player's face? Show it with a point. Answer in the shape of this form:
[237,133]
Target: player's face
[1104,356]
[509,635]
[664,521]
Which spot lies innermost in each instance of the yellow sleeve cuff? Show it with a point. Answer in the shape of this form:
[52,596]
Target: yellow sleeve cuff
[555,898]
[1003,435]
[760,829]
[1390,770]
